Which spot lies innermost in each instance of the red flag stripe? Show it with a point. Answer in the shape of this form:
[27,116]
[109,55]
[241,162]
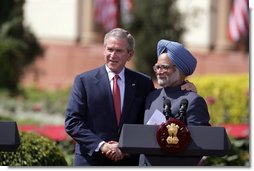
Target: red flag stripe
[106,13]
[238,20]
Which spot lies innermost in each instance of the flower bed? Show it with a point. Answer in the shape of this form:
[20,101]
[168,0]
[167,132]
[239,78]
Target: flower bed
[238,131]
[57,132]
[54,132]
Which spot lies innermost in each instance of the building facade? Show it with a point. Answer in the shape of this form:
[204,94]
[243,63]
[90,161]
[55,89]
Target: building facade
[73,44]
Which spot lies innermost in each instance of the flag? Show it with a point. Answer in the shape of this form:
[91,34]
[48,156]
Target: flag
[106,14]
[238,26]
[126,7]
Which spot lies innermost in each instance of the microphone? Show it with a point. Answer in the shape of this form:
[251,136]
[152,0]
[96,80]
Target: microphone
[182,110]
[167,108]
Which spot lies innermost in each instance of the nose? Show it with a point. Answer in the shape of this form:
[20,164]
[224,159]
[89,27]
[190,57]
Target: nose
[113,53]
[160,71]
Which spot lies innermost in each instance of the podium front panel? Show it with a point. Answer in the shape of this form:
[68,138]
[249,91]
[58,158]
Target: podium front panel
[9,136]
[205,141]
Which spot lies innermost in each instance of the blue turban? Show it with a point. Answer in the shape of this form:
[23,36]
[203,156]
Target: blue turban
[180,56]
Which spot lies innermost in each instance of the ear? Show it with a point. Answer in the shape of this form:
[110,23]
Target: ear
[131,54]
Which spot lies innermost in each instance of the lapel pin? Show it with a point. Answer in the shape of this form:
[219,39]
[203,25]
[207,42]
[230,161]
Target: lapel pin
[133,84]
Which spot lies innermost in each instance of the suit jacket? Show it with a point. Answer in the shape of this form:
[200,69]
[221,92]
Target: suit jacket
[90,115]
[197,111]
[196,115]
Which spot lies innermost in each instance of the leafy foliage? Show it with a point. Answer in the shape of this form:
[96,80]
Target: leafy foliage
[152,21]
[49,101]
[18,46]
[227,97]
[238,155]
[67,147]
[34,150]
[34,100]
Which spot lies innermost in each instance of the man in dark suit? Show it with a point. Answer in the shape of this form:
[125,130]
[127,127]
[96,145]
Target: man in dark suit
[94,117]
[174,64]
[90,115]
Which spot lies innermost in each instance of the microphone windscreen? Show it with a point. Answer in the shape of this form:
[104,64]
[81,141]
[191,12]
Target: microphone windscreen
[184,101]
[167,102]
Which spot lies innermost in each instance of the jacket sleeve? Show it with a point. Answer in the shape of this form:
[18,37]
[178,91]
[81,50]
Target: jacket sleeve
[197,113]
[75,119]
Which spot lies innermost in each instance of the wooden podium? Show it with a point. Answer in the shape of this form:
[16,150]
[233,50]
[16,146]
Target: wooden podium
[204,141]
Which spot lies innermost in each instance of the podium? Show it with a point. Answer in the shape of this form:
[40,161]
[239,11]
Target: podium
[9,136]
[204,141]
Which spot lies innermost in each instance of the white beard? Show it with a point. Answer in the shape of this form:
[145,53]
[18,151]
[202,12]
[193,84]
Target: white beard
[169,81]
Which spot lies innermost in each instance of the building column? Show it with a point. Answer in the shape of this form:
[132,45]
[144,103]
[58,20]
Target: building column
[223,11]
[86,28]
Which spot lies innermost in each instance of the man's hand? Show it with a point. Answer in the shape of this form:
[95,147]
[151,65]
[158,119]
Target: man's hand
[189,86]
[111,151]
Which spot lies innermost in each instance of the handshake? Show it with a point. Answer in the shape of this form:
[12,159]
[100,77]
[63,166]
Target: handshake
[111,150]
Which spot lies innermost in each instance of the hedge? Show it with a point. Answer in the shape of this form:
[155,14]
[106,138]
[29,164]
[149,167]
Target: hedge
[227,97]
[34,150]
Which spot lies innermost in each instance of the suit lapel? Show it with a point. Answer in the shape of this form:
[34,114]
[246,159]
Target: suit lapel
[129,94]
[103,86]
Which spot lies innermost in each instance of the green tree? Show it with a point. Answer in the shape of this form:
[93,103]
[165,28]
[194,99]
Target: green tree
[18,46]
[153,20]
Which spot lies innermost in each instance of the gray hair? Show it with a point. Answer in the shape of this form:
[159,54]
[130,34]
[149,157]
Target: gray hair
[121,34]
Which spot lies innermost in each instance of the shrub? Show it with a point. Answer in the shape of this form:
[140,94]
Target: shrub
[34,100]
[67,147]
[237,156]
[51,101]
[34,150]
[227,97]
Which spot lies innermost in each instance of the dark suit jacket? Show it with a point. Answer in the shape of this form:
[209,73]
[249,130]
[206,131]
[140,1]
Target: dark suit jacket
[197,112]
[90,116]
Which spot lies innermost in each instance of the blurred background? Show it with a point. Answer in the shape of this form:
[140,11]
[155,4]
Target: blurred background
[45,43]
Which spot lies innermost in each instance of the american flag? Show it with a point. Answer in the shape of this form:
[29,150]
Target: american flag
[238,26]
[106,13]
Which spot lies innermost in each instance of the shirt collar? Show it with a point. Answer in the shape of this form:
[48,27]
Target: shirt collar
[111,74]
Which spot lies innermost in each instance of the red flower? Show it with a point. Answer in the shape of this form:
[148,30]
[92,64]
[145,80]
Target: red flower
[210,100]
[54,132]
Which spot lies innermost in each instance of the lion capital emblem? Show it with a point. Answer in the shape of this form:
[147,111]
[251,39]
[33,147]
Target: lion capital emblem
[172,133]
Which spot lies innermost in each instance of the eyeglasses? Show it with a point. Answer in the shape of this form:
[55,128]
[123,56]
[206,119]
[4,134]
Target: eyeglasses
[164,67]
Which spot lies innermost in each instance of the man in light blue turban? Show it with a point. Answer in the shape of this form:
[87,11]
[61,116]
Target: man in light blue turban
[180,56]
[174,64]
